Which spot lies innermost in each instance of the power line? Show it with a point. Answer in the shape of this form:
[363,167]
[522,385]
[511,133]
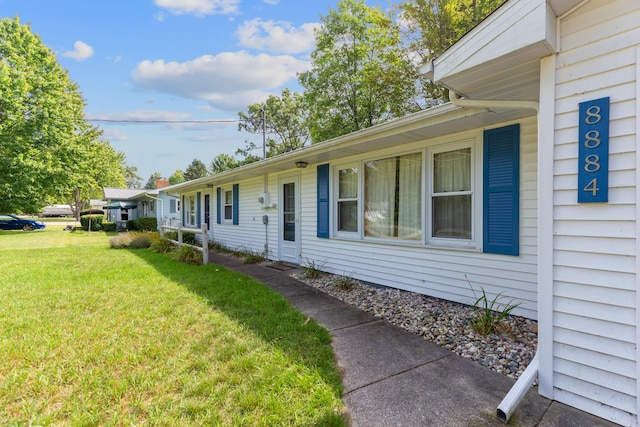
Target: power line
[165,121]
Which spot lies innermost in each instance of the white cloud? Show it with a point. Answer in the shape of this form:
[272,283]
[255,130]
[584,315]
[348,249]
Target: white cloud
[227,80]
[277,36]
[140,116]
[80,52]
[114,60]
[199,7]
[114,134]
[271,1]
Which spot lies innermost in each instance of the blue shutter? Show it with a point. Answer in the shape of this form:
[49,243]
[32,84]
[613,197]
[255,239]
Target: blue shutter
[501,183]
[218,205]
[198,207]
[235,207]
[323,201]
[183,211]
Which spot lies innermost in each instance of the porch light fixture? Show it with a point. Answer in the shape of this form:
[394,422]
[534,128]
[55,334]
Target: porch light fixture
[301,165]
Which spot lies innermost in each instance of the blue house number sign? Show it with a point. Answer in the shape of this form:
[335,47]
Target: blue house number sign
[593,152]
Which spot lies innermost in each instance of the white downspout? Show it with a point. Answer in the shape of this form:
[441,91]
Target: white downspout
[518,391]
[508,405]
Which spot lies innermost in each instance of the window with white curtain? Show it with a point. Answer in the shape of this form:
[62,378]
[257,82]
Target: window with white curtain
[393,197]
[451,197]
[387,198]
[347,199]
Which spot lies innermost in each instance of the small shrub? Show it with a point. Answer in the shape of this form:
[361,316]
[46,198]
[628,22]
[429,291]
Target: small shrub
[147,224]
[120,241]
[162,246]
[312,269]
[109,226]
[94,220]
[140,241]
[132,225]
[171,235]
[189,255]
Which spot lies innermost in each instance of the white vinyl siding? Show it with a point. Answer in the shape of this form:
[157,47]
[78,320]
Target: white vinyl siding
[437,270]
[594,244]
[249,234]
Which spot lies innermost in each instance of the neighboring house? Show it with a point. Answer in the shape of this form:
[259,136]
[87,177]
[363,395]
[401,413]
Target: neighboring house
[122,203]
[125,203]
[526,185]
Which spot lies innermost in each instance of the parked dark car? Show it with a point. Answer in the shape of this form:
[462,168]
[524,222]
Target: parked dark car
[12,222]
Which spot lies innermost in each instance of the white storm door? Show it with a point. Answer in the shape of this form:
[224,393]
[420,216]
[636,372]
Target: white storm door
[289,220]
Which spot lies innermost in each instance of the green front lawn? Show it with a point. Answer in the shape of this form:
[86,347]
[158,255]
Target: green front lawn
[96,336]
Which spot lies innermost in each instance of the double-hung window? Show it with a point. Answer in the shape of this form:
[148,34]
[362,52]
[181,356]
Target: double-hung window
[347,203]
[451,193]
[190,210]
[228,205]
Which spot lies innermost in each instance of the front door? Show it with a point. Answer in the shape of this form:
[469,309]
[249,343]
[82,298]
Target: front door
[289,211]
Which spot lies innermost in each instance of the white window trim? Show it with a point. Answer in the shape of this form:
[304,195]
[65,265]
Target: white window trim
[475,189]
[223,194]
[334,214]
[188,212]
[474,243]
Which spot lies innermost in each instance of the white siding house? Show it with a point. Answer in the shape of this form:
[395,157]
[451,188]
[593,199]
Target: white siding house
[484,192]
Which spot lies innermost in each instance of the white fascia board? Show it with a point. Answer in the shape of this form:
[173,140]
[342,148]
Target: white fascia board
[517,28]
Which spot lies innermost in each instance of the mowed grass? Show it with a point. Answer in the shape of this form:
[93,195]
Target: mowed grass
[96,336]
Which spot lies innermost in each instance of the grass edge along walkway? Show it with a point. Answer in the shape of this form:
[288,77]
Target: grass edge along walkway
[96,336]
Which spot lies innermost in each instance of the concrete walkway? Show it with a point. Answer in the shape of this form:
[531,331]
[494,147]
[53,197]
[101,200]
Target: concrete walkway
[394,378]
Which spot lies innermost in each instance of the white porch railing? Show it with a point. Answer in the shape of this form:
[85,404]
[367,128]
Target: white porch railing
[197,231]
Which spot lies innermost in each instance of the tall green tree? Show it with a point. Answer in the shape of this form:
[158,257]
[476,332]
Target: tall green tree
[104,167]
[45,143]
[195,170]
[284,118]
[222,162]
[132,179]
[176,178]
[360,74]
[152,182]
[430,27]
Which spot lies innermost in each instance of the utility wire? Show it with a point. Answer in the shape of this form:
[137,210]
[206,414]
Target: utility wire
[164,121]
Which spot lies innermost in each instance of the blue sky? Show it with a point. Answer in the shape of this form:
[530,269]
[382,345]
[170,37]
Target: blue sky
[175,60]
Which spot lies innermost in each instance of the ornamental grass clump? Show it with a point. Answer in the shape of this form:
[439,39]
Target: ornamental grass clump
[162,246]
[189,255]
[252,258]
[490,313]
[313,269]
[140,241]
[121,241]
[345,282]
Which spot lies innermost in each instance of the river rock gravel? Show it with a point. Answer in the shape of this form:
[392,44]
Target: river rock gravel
[445,323]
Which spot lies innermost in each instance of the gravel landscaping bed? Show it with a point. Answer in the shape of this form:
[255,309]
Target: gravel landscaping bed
[445,323]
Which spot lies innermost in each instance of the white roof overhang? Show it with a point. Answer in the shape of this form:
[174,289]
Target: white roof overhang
[438,121]
[500,58]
